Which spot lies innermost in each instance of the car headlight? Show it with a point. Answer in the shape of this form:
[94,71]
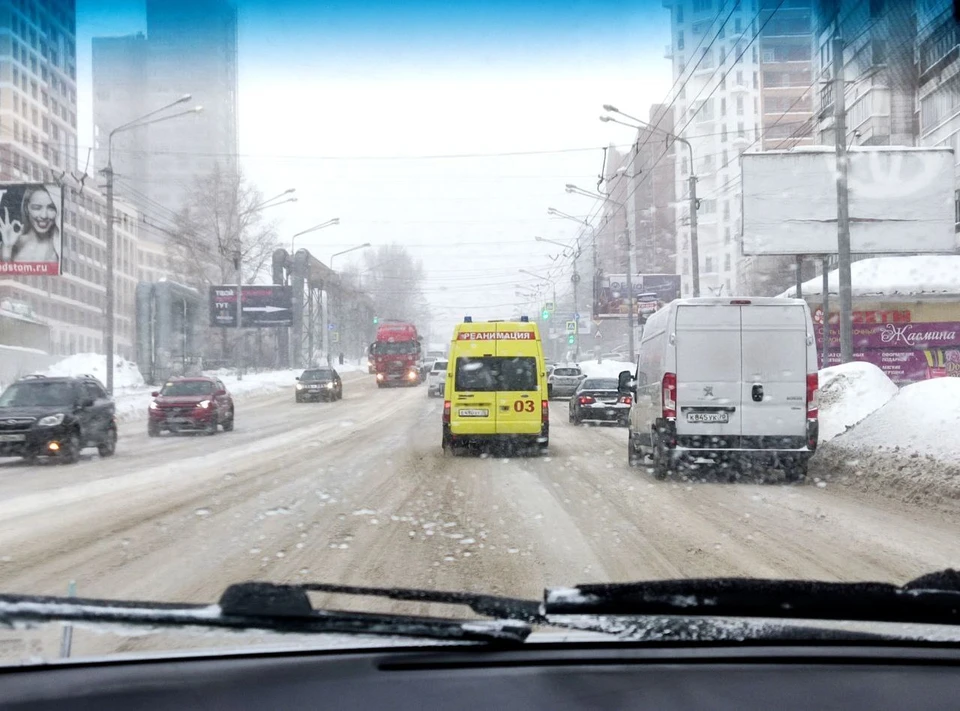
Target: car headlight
[154,405]
[51,420]
[299,386]
[330,385]
[204,404]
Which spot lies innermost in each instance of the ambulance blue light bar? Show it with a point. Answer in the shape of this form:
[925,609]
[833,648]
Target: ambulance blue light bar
[468,319]
[524,319]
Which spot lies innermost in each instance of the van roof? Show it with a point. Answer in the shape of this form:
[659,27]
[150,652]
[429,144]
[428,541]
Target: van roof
[728,300]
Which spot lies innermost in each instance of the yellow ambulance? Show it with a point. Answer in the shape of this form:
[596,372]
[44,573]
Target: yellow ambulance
[496,385]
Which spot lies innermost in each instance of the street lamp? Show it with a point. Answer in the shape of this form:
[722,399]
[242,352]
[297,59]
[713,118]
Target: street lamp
[365,245]
[575,278]
[694,241]
[630,260]
[144,120]
[324,337]
[322,225]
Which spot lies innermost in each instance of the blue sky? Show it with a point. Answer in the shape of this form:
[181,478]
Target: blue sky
[351,103]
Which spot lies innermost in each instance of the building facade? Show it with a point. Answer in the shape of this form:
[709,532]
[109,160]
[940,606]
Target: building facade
[786,73]
[190,47]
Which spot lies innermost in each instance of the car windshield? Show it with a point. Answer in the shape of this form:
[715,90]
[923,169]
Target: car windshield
[599,384]
[179,388]
[38,394]
[449,219]
[317,375]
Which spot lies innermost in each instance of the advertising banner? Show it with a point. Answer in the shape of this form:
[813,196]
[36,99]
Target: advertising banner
[31,235]
[264,306]
[612,300]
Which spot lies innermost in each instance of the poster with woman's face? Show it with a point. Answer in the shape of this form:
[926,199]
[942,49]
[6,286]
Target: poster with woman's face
[31,238]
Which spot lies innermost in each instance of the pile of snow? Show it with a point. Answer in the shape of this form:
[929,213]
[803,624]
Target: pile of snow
[926,274]
[848,394]
[606,369]
[125,373]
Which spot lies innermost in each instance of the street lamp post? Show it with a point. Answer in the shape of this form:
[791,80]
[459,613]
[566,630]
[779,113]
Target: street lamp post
[630,261]
[694,237]
[324,337]
[144,120]
[575,279]
[322,225]
[293,244]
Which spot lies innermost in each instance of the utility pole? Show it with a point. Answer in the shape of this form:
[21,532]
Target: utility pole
[238,263]
[108,336]
[576,312]
[694,237]
[843,213]
[630,341]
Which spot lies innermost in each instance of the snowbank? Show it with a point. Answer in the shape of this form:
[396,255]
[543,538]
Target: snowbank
[907,449]
[606,369]
[848,394]
[125,373]
[924,275]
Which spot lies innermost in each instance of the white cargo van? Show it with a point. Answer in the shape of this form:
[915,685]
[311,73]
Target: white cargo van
[727,380]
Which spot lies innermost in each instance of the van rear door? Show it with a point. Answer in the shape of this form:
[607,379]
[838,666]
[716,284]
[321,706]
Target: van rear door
[774,374]
[473,398]
[518,402]
[708,375]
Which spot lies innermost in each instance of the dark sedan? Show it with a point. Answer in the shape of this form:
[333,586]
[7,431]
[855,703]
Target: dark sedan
[319,384]
[597,400]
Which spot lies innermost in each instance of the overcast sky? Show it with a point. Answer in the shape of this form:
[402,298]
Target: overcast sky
[450,127]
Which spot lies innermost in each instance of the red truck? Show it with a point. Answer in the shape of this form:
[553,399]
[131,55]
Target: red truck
[396,356]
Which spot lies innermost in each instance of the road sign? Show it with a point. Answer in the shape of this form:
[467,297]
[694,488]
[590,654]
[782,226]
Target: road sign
[571,326]
[575,278]
[598,335]
[576,317]
[549,306]
[264,306]
[335,337]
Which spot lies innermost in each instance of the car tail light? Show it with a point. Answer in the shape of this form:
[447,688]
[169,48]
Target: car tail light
[626,400]
[669,395]
[813,384]
[544,410]
[586,400]
[740,302]
[446,412]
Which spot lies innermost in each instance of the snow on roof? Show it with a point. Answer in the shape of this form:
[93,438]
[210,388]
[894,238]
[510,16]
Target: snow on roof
[924,275]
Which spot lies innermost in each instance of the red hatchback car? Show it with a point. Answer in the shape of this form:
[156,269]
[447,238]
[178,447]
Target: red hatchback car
[189,405]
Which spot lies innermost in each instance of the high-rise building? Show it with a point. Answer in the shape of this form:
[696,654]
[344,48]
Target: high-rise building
[190,47]
[717,109]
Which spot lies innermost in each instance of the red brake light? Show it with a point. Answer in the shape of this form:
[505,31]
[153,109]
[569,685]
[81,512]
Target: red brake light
[586,400]
[544,410]
[813,385]
[626,400]
[669,394]
[446,412]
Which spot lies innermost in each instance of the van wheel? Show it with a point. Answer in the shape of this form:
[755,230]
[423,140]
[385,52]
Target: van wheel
[634,458]
[661,463]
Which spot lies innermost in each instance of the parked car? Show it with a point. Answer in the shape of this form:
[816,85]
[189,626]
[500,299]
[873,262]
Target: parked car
[436,378]
[319,384]
[599,400]
[57,418]
[564,380]
[191,404]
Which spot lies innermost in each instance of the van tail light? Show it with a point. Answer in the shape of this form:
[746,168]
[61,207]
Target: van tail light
[813,384]
[446,412]
[626,400]
[669,395]
[544,410]
[586,400]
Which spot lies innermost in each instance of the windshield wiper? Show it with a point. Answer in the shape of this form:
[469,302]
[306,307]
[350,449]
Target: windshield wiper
[930,599]
[270,607]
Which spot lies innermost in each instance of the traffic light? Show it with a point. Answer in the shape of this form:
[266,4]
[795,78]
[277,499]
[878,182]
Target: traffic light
[376,320]
[545,314]
[571,338]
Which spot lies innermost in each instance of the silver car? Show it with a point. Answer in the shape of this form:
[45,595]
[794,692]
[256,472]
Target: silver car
[564,380]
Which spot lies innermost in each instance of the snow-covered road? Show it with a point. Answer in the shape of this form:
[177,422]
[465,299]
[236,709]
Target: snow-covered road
[358,492]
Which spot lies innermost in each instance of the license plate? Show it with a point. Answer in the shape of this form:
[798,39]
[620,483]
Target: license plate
[179,420]
[715,417]
[314,387]
[474,413]
[12,438]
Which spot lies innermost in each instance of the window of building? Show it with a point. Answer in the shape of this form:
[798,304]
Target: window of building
[726,210]
[702,5]
[708,264]
[723,107]
[737,25]
[739,78]
[726,262]
[679,13]
[740,131]
[723,55]
[723,134]
[739,106]
[726,235]
[680,39]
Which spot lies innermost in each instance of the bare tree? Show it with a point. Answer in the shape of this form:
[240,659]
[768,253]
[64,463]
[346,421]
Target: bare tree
[394,280]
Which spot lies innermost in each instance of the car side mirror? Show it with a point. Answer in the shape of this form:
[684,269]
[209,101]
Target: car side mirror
[626,385]
[155,393]
[297,378]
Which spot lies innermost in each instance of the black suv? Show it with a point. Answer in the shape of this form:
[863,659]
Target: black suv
[56,417]
[319,384]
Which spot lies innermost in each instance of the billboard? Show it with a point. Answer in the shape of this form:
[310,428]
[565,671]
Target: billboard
[612,300]
[901,200]
[31,235]
[264,306]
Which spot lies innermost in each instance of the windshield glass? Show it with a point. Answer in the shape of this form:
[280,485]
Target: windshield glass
[599,384]
[38,394]
[187,387]
[656,187]
[317,375]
